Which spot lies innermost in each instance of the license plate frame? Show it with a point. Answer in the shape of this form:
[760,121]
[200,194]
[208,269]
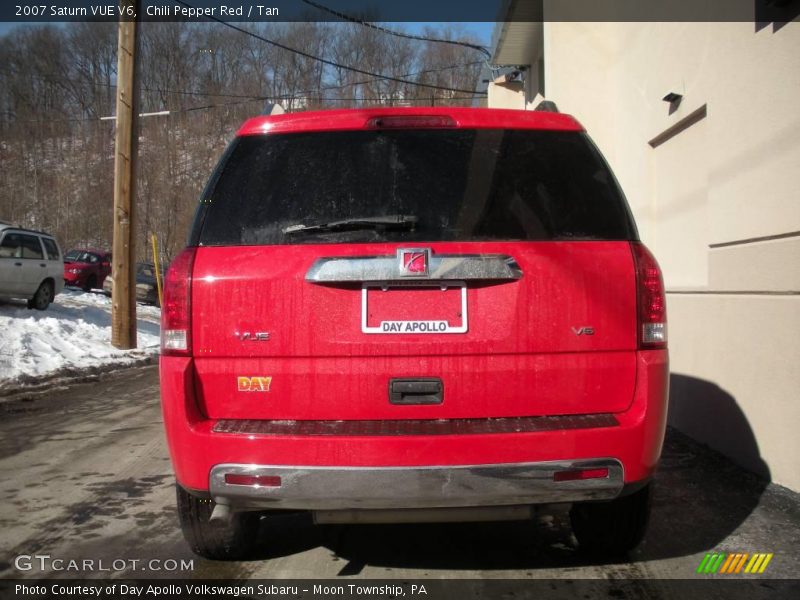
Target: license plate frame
[431,327]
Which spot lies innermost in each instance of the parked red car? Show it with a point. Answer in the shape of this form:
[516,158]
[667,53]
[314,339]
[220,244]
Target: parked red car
[86,269]
[395,315]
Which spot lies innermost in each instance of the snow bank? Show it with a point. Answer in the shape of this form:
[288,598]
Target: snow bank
[72,335]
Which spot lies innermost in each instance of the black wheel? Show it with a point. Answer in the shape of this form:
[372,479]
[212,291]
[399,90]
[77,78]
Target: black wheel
[90,284]
[225,540]
[612,528]
[43,296]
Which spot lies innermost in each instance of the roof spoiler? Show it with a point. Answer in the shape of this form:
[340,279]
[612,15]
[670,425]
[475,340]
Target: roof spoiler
[547,106]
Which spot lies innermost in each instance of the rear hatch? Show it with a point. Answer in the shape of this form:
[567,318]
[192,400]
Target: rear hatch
[334,271]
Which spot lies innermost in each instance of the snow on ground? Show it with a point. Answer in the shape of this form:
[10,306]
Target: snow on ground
[72,335]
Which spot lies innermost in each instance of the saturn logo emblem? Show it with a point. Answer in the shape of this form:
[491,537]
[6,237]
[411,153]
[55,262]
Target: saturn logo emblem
[413,262]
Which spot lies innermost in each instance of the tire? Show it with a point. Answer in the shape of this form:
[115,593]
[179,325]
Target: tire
[90,284]
[43,296]
[612,528]
[231,540]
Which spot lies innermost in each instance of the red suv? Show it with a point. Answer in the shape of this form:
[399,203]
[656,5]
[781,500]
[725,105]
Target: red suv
[397,315]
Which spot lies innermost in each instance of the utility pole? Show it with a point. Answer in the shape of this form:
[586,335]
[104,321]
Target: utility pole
[123,297]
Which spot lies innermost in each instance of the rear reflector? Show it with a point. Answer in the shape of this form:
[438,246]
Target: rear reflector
[651,299]
[411,122]
[259,480]
[580,474]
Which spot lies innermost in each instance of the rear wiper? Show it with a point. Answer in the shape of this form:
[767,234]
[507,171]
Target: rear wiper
[388,221]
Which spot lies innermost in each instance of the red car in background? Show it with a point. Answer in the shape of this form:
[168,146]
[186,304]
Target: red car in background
[410,315]
[86,269]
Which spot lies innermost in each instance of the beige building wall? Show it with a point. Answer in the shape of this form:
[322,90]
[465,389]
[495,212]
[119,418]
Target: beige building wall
[501,95]
[714,184]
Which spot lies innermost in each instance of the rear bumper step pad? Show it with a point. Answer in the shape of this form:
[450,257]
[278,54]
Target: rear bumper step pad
[415,426]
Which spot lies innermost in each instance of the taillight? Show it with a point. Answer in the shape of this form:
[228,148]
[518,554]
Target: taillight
[176,317]
[651,299]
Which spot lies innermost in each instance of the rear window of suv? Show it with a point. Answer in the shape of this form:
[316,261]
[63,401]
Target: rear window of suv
[442,185]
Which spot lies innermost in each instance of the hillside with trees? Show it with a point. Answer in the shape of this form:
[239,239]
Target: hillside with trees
[57,82]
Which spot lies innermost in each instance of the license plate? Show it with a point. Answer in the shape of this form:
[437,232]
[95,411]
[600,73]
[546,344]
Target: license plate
[414,307]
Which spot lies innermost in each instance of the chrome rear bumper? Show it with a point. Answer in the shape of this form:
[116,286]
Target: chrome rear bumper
[343,488]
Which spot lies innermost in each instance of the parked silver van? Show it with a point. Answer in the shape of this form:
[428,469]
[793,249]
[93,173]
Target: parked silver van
[31,266]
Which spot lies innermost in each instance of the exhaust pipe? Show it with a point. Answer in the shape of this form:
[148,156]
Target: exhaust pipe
[221,513]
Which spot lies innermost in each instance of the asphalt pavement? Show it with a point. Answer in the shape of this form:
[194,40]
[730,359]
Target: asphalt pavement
[85,476]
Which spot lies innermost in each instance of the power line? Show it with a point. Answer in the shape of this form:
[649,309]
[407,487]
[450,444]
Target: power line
[313,94]
[144,89]
[322,89]
[190,109]
[164,112]
[367,81]
[248,96]
[400,34]
[325,61]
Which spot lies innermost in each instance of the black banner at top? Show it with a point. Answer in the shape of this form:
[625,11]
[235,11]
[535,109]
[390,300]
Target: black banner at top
[242,11]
